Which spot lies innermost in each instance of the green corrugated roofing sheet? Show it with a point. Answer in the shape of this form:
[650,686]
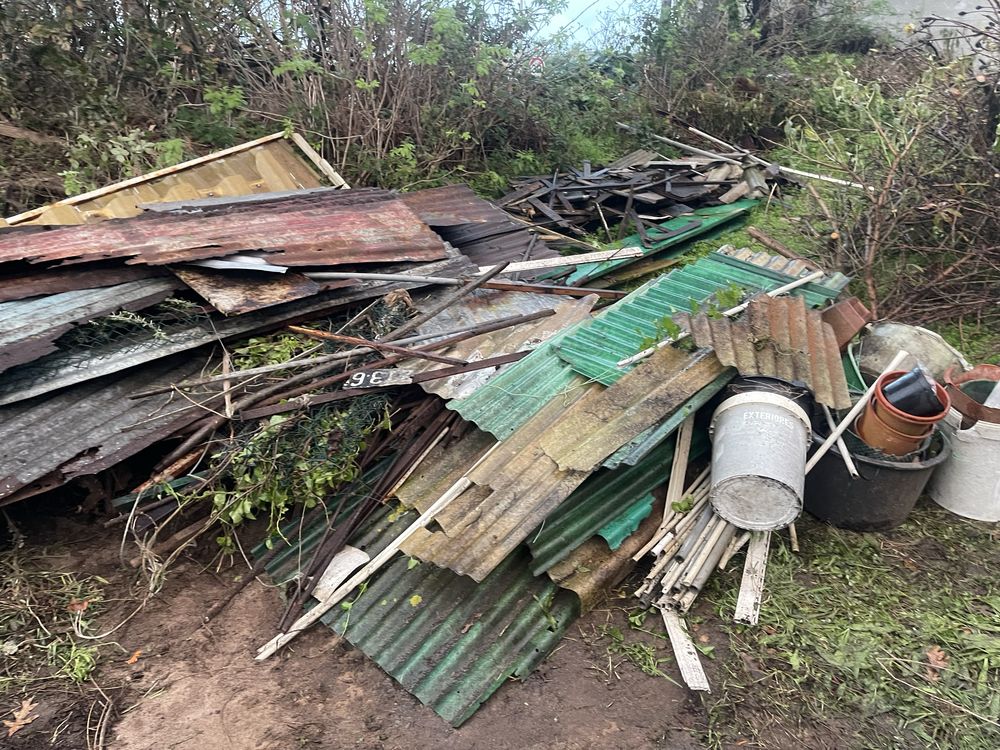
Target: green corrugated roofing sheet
[605,504]
[445,638]
[686,227]
[451,641]
[629,325]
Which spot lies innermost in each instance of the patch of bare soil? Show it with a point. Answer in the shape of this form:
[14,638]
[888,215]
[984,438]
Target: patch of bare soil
[198,688]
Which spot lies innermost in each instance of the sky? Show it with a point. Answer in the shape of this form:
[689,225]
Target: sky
[587,15]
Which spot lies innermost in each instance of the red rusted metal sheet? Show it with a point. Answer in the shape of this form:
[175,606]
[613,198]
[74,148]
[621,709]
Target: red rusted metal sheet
[236,292]
[312,229]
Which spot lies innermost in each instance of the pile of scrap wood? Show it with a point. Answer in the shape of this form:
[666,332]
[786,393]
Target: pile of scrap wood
[637,192]
[492,453]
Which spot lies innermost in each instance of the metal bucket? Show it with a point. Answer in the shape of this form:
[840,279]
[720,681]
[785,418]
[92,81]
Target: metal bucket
[759,444]
[968,484]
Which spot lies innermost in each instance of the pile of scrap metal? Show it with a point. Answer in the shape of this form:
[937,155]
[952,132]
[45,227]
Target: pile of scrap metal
[546,437]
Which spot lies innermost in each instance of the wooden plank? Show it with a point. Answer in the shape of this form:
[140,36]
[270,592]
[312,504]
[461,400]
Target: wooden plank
[752,585]
[321,164]
[568,260]
[685,652]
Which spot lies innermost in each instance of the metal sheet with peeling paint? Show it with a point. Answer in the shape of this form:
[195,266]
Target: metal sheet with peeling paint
[306,229]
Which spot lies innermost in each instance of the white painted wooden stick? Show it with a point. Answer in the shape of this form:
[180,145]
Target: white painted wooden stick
[567,260]
[852,414]
[841,445]
[685,652]
[728,313]
[327,603]
[752,585]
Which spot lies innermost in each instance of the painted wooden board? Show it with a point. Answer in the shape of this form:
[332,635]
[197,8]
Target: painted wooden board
[685,652]
[752,585]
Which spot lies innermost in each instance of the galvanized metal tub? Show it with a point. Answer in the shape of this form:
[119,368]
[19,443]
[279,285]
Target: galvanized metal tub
[759,445]
[968,484]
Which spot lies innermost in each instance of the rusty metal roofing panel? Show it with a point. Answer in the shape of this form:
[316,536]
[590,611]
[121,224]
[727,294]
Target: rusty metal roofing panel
[483,232]
[314,229]
[236,292]
[779,337]
[449,641]
[597,425]
[65,368]
[29,328]
[486,305]
[88,428]
[55,281]
[264,165]
[451,205]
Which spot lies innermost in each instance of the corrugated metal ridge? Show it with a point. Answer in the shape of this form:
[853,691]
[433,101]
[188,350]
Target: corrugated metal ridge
[598,502]
[29,328]
[779,337]
[328,228]
[460,641]
[634,322]
[65,368]
[450,641]
[687,227]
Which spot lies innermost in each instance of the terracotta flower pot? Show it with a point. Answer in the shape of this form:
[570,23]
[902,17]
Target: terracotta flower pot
[900,421]
[876,433]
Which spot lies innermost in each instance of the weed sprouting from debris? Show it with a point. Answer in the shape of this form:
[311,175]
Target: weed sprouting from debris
[41,613]
[893,640]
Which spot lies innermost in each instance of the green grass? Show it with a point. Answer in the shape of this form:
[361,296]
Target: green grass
[843,640]
[978,342]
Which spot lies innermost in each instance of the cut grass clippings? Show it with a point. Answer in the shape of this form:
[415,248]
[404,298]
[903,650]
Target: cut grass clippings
[879,640]
[41,614]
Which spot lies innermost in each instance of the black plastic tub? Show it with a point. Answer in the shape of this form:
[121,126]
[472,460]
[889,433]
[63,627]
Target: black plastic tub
[881,498]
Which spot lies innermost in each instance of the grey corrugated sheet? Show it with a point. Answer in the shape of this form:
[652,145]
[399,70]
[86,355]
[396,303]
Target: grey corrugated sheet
[67,368]
[484,306]
[781,338]
[28,328]
[456,644]
[636,321]
[90,427]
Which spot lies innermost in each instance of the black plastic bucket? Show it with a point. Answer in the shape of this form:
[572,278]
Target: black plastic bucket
[881,498]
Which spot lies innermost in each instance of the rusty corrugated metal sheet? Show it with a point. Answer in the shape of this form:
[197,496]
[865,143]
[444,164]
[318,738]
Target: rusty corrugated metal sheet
[29,328]
[264,165]
[782,338]
[54,281]
[236,292]
[483,232]
[486,305]
[91,427]
[595,427]
[315,229]
[64,368]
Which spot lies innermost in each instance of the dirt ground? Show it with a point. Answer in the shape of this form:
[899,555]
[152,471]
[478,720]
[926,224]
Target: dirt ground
[196,688]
